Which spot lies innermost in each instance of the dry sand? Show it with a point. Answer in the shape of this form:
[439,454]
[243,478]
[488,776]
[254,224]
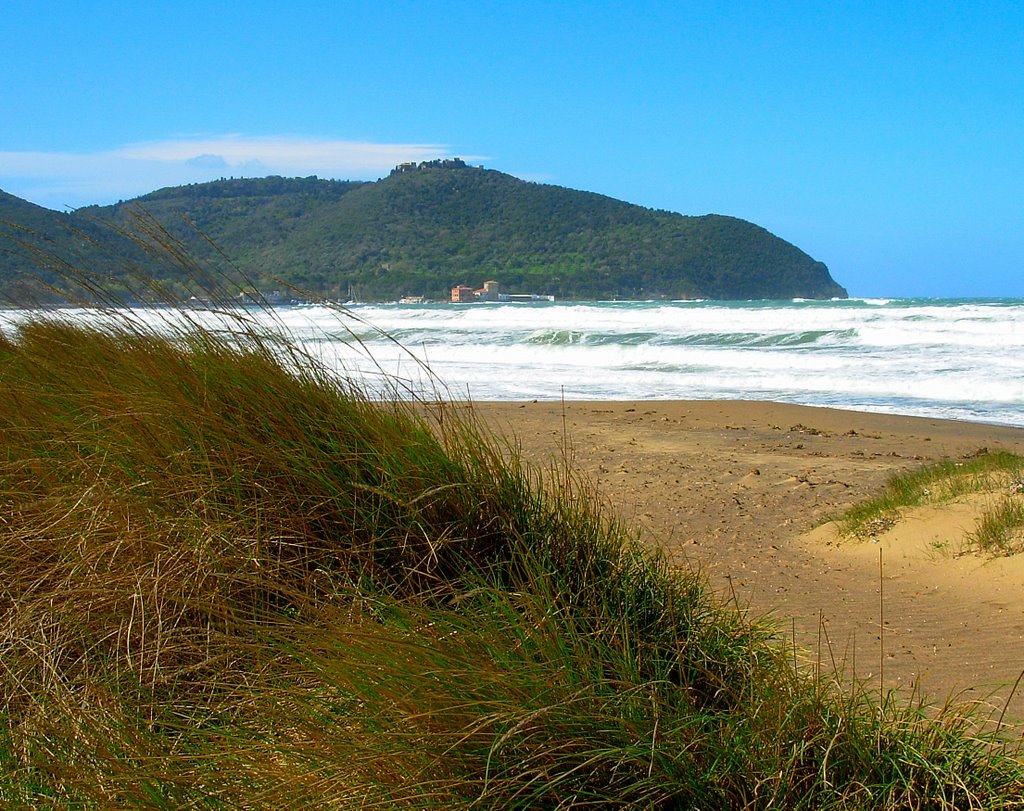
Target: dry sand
[741,490]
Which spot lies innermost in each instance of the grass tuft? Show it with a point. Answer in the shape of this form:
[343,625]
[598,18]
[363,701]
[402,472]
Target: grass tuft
[1001,529]
[936,483]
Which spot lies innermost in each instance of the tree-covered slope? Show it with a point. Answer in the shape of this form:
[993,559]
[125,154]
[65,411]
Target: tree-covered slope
[430,226]
[39,246]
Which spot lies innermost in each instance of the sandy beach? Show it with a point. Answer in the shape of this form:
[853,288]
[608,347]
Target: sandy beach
[744,490]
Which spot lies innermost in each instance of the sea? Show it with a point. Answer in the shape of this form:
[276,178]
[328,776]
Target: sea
[958,359]
[952,358]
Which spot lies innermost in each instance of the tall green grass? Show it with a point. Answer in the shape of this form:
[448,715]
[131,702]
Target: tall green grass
[230,579]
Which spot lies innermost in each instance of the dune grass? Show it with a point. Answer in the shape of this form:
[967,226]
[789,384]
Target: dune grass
[229,579]
[1000,531]
[998,472]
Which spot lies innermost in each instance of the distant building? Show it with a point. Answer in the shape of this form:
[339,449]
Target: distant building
[491,291]
[525,297]
[440,163]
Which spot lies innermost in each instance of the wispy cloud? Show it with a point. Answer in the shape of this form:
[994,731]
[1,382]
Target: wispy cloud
[62,179]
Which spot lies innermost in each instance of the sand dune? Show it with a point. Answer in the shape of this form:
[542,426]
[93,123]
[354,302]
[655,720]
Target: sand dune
[742,489]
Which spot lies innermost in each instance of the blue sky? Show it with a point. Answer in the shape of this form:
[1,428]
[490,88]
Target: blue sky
[885,139]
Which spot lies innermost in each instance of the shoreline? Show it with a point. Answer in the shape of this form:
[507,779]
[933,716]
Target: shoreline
[740,489]
[708,406]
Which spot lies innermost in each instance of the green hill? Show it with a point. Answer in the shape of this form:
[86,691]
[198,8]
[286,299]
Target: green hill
[427,227]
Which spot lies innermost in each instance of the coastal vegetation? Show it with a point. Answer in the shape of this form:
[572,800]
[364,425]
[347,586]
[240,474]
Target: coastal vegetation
[421,231]
[232,579]
[1000,529]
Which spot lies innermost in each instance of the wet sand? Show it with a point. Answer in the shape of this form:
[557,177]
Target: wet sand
[742,490]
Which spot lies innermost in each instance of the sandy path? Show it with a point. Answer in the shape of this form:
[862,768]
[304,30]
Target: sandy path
[738,488]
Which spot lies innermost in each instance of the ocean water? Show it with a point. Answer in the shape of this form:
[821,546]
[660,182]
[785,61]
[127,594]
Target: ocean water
[960,359]
[952,358]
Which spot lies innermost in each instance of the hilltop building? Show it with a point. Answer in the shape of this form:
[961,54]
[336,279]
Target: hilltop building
[440,163]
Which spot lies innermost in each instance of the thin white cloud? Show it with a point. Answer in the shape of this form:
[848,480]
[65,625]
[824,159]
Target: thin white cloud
[208,161]
[59,180]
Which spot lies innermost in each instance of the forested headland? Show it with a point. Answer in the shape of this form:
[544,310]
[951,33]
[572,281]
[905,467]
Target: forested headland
[419,231]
